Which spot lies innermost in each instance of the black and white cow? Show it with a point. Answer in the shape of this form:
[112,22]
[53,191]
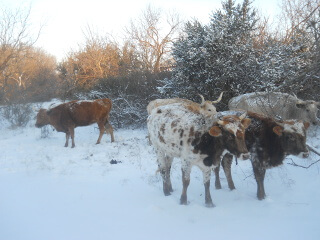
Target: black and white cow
[268,142]
[177,131]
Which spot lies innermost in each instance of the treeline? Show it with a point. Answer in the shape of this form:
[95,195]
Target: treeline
[161,56]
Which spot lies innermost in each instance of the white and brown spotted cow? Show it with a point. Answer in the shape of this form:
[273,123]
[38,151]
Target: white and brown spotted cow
[176,131]
[205,107]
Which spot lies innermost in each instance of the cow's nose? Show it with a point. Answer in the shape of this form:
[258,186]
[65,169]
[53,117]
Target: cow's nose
[305,154]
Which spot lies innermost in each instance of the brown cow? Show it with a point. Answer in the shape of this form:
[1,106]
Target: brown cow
[67,116]
[269,142]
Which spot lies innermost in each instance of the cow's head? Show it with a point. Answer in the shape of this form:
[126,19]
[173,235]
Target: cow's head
[292,134]
[42,118]
[208,106]
[232,130]
[310,110]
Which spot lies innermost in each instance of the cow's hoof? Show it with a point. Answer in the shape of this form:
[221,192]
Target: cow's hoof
[183,201]
[261,197]
[210,205]
[167,193]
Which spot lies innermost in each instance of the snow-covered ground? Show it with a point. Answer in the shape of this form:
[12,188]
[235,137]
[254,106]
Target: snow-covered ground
[49,192]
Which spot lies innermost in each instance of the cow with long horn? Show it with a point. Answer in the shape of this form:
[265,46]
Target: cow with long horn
[205,107]
[277,105]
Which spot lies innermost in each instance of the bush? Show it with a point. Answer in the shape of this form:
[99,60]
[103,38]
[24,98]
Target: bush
[18,115]
[130,96]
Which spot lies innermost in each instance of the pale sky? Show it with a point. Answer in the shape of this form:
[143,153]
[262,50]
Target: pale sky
[65,20]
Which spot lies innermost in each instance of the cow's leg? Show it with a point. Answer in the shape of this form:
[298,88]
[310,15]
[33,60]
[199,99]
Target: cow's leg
[217,176]
[186,170]
[109,130]
[259,173]
[226,164]
[206,181]
[101,131]
[71,129]
[67,139]
[164,164]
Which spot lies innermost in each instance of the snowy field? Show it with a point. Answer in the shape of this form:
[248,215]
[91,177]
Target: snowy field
[49,192]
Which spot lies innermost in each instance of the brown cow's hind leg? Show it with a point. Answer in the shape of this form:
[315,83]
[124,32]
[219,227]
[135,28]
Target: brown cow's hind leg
[101,129]
[67,139]
[109,129]
[71,129]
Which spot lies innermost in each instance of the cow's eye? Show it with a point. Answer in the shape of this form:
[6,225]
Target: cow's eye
[290,138]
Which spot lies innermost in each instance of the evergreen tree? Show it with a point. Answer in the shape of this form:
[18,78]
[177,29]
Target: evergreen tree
[219,56]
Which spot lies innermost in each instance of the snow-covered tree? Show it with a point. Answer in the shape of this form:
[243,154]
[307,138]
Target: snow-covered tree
[218,56]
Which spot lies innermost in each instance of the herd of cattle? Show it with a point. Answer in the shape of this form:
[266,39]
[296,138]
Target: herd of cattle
[265,127]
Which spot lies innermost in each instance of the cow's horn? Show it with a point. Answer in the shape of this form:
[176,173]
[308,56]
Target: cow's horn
[219,99]
[202,99]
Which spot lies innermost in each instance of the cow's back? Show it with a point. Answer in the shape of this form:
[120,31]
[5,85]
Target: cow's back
[270,104]
[161,102]
[84,113]
[173,128]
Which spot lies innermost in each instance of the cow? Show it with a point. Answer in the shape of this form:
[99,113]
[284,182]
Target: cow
[176,131]
[66,117]
[268,142]
[205,107]
[277,105]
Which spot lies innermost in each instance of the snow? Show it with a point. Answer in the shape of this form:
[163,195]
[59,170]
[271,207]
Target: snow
[49,192]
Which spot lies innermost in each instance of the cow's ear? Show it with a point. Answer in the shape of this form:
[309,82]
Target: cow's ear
[306,125]
[215,131]
[246,122]
[278,130]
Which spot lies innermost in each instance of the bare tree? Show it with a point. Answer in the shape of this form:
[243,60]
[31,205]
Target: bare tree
[97,59]
[296,16]
[153,35]
[300,27]
[16,38]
